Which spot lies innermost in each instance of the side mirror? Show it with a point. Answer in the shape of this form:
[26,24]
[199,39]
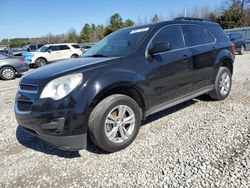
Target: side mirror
[159,47]
[49,50]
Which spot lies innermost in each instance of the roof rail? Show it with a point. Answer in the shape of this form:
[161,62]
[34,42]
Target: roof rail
[192,19]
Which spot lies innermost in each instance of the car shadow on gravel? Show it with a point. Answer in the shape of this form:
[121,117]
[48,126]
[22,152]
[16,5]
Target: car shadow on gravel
[35,143]
[168,111]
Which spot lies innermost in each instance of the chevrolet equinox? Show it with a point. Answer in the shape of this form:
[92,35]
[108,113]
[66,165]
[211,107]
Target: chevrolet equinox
[122,79]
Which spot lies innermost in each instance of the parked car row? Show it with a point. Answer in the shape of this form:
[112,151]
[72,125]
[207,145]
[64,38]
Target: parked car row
[52,52]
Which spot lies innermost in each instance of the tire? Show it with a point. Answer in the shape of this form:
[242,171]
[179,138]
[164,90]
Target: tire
[7,73]
[40,62]
[74,56]
[223,80]
[242,50]
[100,130]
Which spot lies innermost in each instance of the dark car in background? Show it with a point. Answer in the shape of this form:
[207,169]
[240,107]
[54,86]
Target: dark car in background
[10,66]
[124,78]
[239,41]
[31,47]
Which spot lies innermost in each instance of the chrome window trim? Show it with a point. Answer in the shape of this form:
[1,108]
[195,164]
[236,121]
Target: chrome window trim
[146,52]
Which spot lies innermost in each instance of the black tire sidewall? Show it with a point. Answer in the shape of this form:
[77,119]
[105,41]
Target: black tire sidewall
[1,73]
[98,132]
[217,82]
[242,50]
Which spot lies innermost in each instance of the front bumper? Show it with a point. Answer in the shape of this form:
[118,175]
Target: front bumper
[70,143]
[62,123]
[51,130]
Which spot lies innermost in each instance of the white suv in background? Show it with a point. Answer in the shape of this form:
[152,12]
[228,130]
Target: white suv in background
[53,52]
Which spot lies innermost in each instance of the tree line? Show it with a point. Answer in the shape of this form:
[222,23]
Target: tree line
[233,13]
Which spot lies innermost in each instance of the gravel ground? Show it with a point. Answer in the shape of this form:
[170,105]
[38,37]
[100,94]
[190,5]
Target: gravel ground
[199,143]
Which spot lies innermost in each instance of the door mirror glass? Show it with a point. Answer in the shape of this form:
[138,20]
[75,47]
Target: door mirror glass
[159,47]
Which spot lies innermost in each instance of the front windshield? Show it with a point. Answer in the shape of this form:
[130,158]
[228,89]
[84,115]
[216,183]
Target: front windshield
[43,49]
[119,43]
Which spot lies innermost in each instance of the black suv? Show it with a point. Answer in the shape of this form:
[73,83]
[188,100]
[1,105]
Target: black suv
[122,79]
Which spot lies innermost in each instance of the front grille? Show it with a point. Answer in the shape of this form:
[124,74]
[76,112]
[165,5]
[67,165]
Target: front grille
[28,87]
[24,106]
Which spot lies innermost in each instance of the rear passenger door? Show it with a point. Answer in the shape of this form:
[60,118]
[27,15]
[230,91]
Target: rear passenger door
[202,45]
[65,51]
[171,72]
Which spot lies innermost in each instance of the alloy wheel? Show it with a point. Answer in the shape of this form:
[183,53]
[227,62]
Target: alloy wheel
[119,124]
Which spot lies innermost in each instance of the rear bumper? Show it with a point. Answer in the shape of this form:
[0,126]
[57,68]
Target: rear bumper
[22,68]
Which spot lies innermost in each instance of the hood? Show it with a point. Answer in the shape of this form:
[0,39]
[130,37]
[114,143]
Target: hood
[62,68]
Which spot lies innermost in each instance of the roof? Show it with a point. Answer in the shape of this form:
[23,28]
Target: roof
[179,20]
[57,44]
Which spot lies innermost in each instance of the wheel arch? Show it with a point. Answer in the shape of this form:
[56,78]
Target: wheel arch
[120,88]
[75,55]
[41,57]
[8,66]
[227,62]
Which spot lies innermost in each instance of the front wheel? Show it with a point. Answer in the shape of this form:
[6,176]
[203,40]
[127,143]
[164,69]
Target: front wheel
[114,122]
[223,84]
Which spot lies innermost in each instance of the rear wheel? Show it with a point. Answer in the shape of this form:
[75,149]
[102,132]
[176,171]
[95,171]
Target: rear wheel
[114,122]
[222,85]
[40,62]
[7,73]
[242,50]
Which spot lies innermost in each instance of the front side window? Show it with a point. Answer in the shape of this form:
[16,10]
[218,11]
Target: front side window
[171,35]
[196,35]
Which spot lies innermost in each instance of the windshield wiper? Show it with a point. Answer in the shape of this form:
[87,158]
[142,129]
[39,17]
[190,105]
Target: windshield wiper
[97,55]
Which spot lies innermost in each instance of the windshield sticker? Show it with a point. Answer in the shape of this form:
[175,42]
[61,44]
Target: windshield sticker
[139,30]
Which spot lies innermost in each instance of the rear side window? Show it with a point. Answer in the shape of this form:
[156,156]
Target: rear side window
[63,47]
[196,35]
[76,46]
[172,35]
[218,32]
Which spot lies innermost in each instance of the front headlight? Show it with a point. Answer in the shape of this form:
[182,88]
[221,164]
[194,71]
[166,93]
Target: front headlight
[60,87]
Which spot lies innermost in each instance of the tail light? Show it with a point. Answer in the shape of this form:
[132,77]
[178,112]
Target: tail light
[232,48]
[22,60]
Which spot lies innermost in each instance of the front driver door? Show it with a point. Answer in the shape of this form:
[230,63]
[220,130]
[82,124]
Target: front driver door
[171,72]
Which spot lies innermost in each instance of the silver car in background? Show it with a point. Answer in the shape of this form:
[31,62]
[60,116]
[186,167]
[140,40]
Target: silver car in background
[10,66]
